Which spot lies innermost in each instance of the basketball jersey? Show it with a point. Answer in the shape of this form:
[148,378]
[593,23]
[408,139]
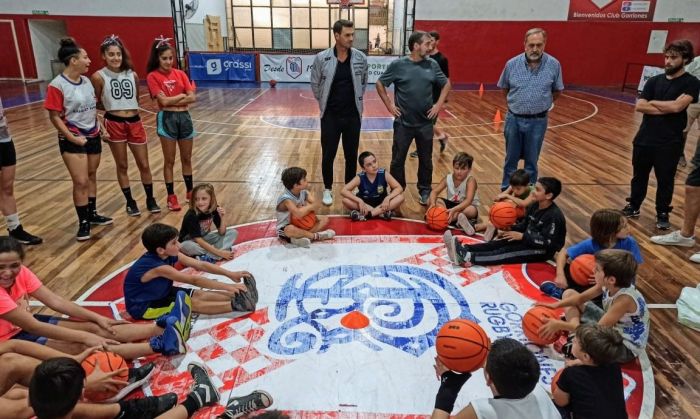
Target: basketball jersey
[634,327]
[535,405]
[283,216]
[76,103]
[4,131]
[138,294]
[375,189]
[459,193]
[119,92]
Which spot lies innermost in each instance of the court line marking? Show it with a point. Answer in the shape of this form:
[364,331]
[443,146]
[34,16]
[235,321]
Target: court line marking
[23,104]
[250,101]
[662,306]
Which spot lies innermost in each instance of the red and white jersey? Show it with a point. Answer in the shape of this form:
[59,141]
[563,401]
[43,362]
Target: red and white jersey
[170,84]
[76,102]
[119,91]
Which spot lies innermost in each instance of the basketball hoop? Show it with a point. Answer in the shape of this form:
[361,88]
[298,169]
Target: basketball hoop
[345,4]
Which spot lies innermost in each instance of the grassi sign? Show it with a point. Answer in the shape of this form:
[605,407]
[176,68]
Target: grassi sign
[223,67]
[297,68]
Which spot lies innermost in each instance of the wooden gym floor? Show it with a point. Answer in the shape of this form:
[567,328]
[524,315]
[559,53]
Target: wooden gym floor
[248,135]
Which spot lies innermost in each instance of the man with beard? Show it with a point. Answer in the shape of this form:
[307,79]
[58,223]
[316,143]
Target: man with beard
[414,77]
[659,142]
[531,82]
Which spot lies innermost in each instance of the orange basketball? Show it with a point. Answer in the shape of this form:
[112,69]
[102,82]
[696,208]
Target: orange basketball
[273,83]
[555,379]
[581,269]
[503,214]
[520,212]
[306,222]
[108,362]
[436,218]
[462,345]
[533,320]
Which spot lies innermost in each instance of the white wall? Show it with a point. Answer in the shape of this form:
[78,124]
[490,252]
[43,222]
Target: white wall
[689,10]
[143,8]
[210,7]
[45,35]
[492,9]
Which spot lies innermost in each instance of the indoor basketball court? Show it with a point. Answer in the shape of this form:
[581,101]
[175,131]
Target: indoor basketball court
[347,328]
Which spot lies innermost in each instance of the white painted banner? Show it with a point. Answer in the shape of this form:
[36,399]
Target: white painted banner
[297,68]
[647,73]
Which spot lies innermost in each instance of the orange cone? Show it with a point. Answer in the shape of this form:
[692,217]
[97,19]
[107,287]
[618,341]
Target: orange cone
[481,90]
[497,119]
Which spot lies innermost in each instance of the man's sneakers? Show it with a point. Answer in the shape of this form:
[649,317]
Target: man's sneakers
[173,204]
[674,239]
[662,221]
[443,142]
[413,154]
[203,390]
[147,407]
[182,311]
[137,377]
[464,224]
[327,197]
[630,212]
[551,289]
[241,406]
[23,237]
[171,342]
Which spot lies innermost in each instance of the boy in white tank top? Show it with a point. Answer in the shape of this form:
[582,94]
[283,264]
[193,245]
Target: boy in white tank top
[462,200]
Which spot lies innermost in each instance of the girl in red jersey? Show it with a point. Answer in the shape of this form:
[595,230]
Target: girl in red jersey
[174,92]
[70,100]
[116,87]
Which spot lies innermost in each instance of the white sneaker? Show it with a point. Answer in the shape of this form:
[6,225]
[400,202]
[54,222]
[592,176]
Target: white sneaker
[326,234]
[302,242]
[695,257]
[327,197]
[464,224]
[674,239]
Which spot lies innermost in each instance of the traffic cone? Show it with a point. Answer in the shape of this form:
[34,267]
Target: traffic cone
[481,90]
[497,119]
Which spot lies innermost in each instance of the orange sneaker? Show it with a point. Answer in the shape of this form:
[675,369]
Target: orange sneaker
[173,205]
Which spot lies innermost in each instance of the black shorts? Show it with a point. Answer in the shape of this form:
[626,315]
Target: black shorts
[373,202]
[93,146]
[694,177]
[175,125]
[30,337]
[449,204]
[163,306]
[8,156]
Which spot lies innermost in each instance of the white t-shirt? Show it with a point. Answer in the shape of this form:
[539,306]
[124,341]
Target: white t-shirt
[535,405]
[119,92]
[76,102]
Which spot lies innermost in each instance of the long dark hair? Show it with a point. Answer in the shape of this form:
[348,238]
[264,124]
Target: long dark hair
[113,40]
[68,49]
[160,45]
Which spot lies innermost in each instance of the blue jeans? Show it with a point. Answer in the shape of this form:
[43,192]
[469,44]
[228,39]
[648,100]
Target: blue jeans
[524,138]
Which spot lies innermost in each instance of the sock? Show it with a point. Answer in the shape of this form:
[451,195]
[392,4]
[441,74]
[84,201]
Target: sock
[468,257]
[188,182]
[170,188]
[92,205]
[12,221]
[148,188]
[191,404]
[127,194]
[83,212]
[316,237]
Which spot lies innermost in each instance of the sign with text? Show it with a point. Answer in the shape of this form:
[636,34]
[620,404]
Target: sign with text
[612,10]
[647,73]
[297,68]
[222,67]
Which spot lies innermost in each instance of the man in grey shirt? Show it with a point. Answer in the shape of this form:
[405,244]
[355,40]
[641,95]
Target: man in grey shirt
[414,77]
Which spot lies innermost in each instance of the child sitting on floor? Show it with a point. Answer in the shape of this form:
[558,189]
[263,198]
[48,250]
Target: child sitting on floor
[379,194]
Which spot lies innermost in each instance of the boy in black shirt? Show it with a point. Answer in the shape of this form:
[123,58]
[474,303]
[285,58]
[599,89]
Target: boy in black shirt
[591,386]
[536,238]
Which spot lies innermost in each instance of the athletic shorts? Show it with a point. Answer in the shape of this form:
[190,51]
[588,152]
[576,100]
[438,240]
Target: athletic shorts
[163,306]
[93,146]
[41,340]
[125,129]
[449,204]
[175,125]
[8,156]
[373,202]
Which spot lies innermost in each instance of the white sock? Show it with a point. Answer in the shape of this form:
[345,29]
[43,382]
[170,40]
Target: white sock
[12,221]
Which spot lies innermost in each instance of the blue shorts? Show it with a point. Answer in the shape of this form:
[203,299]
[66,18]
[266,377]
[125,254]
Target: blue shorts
[41,340]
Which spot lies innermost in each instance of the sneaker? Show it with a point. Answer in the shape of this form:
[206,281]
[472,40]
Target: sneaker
[662,221]
[695,257]
[387,215]
[137,377]
[451,247]
[243,301]
[630,212]
[188,197]
[682,162]
[424,197]
[561,341]
[170,342]
[203,390]
[237,407]
[147,407]
[301,242]
[182,311]
[152,206]
[490,232]
[173,204]
[327,197]
[443,143]
[206,258]
[132,210]
[674,239]
[551,289]
[23,237]
[83,231]
[251,287]
[465,225]
[326,234]
[413,154]
[99,220]
[355,215]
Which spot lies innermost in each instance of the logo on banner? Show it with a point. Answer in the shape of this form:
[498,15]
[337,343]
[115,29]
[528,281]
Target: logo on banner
[213,66]
[294,67]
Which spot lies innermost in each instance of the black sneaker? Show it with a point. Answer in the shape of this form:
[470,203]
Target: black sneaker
[203,389]
[387,215]
[23,237]
[83,231]
[630,212]
[662,221]
[152,206]
[237,407]
[132,210]
[147,407]
[413,154]
[424,198]
[99,220]
[137,377]
[443,143]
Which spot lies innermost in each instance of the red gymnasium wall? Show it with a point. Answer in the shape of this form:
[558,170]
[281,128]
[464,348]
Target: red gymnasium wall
[591,53]
[136,32]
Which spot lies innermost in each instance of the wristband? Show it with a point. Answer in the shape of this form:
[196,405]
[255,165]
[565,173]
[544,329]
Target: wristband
[450,385]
